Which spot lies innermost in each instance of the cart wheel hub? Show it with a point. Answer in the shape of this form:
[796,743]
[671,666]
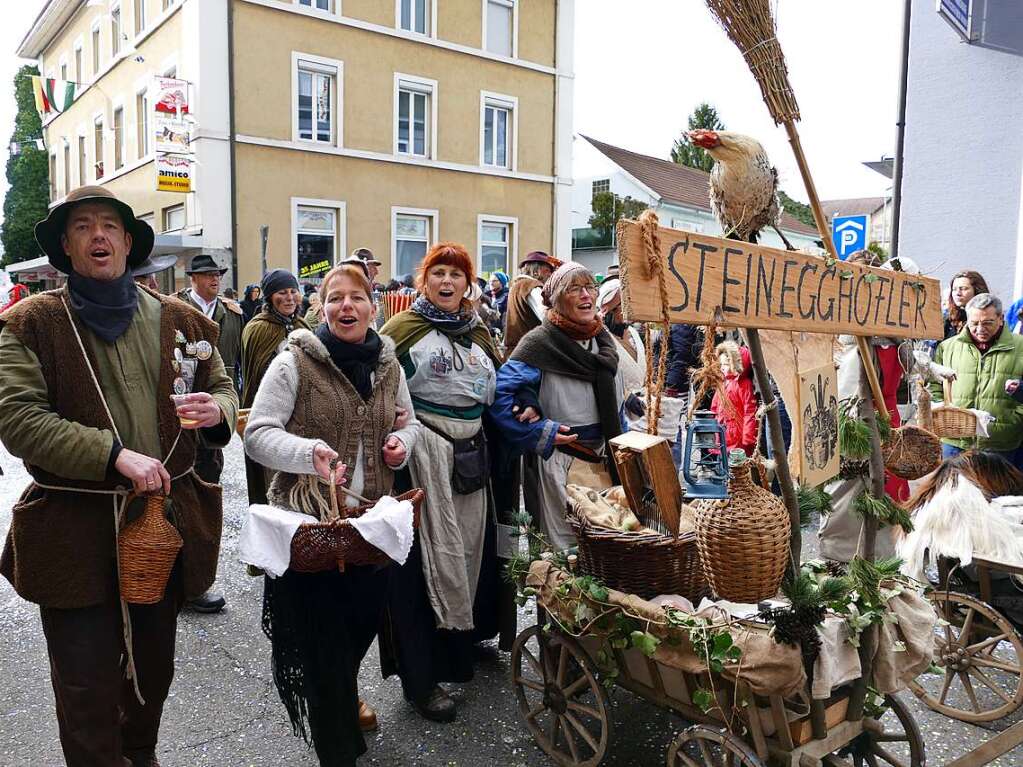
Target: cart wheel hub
[554,699]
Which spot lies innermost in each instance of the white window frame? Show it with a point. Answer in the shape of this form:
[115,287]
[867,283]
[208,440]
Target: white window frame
[419,85]
[115,107]
[593,184]
[513,238]
[431,22]
[116,40]
[78,57]
[432,238]
[510,103]
[143,121]
[63,68]
[323,65]
[163,217]
[514,5]
[101,118]
[53,172]
[65,175]
[334,9]
[138,13]
[340,208]
[96,44]
[82,142]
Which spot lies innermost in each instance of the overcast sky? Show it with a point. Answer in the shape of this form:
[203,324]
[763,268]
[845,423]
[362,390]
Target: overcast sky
[642,66]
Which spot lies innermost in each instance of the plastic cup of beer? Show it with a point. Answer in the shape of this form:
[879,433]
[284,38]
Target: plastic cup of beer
[179,400]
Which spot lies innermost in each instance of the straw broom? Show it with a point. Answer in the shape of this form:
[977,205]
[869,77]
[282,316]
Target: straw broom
[751,26]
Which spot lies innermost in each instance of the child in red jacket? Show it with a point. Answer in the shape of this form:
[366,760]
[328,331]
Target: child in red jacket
[739,413]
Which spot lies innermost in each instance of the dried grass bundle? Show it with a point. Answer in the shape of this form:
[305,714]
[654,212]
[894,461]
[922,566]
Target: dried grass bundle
[750,25]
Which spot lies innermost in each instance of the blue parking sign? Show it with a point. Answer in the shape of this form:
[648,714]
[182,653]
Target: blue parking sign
[849,233]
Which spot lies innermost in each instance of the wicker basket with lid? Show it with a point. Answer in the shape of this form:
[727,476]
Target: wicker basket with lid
[743,539]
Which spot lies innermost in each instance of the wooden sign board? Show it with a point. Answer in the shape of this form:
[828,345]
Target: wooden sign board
[759,287]
[815,425]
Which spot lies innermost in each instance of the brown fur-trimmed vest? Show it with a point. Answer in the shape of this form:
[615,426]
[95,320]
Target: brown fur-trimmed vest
[328,407]
[60,551]
[521,317]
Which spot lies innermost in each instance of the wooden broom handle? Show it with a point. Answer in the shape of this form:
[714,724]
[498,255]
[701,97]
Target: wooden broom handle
[946,389]
[822,227]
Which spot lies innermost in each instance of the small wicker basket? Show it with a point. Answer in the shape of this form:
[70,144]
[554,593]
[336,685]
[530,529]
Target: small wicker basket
[321,546]
[912,452]
[743,539]
[952,422]
[146,550]
[645,564]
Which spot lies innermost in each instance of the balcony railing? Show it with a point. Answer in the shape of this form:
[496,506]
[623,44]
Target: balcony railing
[588,238]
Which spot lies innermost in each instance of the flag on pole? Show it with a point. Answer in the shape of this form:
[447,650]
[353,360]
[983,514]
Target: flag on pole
[52,95]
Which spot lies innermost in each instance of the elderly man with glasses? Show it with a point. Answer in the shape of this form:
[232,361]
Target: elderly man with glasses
[988,360]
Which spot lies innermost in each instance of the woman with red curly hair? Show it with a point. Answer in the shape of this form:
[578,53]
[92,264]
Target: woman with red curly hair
[437,607]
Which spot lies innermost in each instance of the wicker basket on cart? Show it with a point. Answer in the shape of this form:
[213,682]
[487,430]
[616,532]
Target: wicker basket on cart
[646,564]
[950,422]
[323,546]
[911,452]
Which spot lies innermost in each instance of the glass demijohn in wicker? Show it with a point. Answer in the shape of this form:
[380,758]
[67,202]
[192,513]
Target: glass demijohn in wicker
[744,539]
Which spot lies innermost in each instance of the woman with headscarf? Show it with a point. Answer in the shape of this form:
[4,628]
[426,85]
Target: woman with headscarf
[264,336]
[560,394]
[442,599]
[251,302]
[330,396]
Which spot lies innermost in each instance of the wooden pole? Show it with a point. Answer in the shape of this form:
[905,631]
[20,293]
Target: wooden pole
[781,461]
[865,549]
[829,245]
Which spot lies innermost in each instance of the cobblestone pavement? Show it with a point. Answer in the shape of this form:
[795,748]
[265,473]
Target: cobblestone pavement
[223,710]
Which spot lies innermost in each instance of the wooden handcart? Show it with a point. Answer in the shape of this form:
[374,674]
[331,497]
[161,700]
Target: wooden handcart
[564,702]
[979,649]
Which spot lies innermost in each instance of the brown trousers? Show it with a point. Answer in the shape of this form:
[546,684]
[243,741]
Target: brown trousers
[100,719]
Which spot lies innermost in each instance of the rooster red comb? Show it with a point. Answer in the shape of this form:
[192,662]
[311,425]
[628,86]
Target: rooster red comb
[706,139]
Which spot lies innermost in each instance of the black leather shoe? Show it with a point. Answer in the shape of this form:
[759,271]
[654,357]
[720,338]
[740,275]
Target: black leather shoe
[209,602]
[437,705]
[144,759]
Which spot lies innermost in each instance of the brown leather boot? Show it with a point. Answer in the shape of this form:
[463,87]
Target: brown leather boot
[367,717]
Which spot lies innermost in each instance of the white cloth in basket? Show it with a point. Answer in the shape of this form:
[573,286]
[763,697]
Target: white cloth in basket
[265,541]
[388,526]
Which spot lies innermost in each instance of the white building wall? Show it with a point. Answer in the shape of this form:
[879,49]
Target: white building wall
[963,171]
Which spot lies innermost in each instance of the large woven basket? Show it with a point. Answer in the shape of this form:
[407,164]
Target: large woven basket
[146,550]
[911,452]
[950,422]
[645,564]
[743,539]
[321,546]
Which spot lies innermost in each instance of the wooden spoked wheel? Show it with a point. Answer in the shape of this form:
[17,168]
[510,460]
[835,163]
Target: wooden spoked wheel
[702,746]
[980,654]
[564,704]
[894,740]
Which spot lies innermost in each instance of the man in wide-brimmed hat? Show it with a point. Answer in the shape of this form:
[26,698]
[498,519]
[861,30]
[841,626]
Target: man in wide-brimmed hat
[204,295]
[107,389]
[145,273]
[525,306]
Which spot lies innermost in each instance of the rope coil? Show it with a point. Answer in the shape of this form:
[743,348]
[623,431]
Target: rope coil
[654,382]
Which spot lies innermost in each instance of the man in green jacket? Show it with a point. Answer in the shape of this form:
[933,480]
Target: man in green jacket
[985,354]
[204,295]
[105,389]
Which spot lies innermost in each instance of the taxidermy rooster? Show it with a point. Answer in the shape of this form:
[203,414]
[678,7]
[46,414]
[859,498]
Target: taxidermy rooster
[743,184]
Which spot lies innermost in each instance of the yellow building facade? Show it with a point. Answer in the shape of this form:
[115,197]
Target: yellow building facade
[327,124]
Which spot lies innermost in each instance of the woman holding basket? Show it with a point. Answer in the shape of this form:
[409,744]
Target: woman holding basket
[329,400]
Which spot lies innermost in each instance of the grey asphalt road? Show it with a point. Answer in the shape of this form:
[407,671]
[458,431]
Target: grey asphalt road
[223,710]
